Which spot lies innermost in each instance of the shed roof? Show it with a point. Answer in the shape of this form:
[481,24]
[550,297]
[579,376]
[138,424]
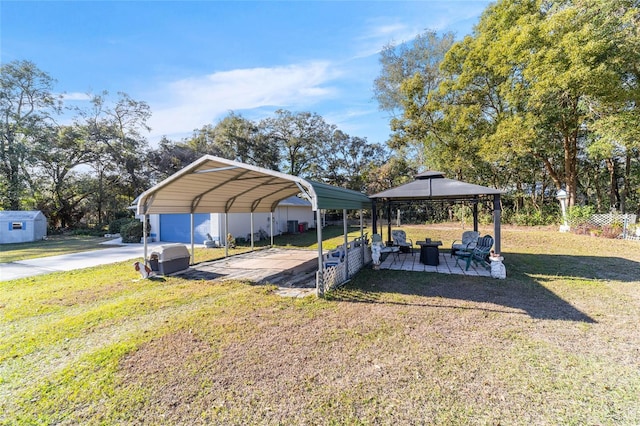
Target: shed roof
[20,214]
[294,202]
[217,185]
[433,185]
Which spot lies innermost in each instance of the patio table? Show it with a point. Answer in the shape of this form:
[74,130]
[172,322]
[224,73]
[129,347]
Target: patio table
[429,252]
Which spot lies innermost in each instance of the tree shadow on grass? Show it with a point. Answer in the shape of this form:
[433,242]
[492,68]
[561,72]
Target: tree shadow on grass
[574,267]
[522,292]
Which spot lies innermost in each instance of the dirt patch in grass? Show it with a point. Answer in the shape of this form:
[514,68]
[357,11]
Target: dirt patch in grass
[159,367]
[88,295]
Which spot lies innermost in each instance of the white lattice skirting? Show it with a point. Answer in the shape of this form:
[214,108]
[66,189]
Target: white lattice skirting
[338,267]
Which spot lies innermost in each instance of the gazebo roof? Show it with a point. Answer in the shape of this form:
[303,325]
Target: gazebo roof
[433,185]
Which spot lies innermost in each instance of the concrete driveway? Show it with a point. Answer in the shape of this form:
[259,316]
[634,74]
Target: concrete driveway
[68,262]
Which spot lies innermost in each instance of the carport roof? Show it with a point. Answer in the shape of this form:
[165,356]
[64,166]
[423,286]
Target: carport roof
[433,185]
[217,185]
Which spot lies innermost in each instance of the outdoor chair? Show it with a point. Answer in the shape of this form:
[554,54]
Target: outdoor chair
[479,255]
[468,242]
[400,240]
[335,257]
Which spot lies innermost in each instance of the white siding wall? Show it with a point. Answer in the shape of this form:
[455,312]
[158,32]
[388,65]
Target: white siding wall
[240,223]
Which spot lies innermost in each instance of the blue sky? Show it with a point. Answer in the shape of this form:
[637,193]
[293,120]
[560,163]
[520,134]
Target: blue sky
[194,61]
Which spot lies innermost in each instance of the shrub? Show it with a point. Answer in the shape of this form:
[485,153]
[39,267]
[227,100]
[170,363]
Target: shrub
[612,231]
[579,215]
[115,226]
[463,212]
[528,217]
[131,232]
[93,232]
[54,231]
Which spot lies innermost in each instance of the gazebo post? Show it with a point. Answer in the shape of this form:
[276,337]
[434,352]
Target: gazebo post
[374,216]
[497,214]
[389,240]
[475,215]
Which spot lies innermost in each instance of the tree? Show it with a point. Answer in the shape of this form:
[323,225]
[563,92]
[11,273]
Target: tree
[243,140]
[299,138]
[116,132]
[544,62]
[419,58]
[26,106]
[392,172]
[518,91]
[615,116]
[411,88]
[170,157]
[347,161]
[61,187]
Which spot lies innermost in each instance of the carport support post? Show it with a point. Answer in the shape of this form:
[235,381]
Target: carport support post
[361,238]
[226,231]
[319,277]
[271,226]
[497,214]
[251,231]
[144,236]
[346,242]
[193,253]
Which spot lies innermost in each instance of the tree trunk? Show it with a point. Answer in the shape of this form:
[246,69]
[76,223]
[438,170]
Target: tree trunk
[627,183]
[571,166]
[614,192]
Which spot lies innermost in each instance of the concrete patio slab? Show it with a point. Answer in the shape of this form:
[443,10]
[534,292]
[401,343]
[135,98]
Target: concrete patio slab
[447,265]
[289,269]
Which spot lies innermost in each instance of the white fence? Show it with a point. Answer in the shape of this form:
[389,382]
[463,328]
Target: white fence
[611,218]
[628,222]
[339,267]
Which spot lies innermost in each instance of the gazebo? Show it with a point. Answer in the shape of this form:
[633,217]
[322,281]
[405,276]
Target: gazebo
[432,186]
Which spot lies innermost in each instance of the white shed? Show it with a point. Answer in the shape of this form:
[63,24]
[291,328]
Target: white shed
[22,226]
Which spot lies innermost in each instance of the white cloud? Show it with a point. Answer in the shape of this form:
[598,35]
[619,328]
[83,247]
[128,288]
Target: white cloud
[442,16]
[76,96]
[381,32]
[190,103]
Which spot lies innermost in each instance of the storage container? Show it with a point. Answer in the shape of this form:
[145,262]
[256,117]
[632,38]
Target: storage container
[170,258]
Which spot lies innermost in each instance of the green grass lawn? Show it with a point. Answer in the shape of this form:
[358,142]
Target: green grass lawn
[557,342]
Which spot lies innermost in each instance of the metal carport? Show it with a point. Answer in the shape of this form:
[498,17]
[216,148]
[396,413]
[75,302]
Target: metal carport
[217,185]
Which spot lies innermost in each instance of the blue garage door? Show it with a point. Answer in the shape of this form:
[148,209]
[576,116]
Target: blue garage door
[176,228]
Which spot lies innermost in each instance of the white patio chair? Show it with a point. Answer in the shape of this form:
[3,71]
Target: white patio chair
[400,240]
[468,243]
